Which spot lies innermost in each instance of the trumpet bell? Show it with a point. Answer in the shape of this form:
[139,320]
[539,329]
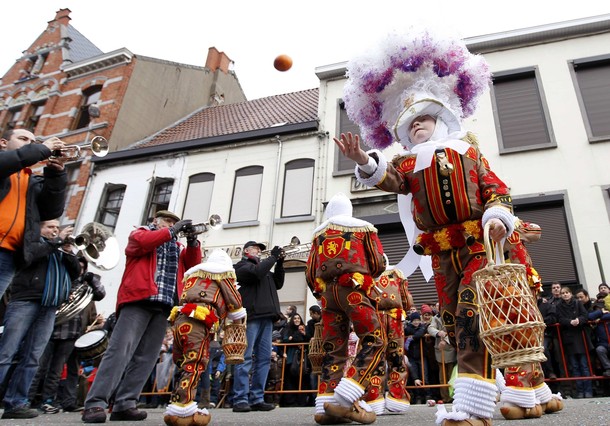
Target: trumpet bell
[215,221]
[99,246]
[99,146]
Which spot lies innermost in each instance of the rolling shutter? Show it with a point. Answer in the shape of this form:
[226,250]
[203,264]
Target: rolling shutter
[552,255]
[395,245]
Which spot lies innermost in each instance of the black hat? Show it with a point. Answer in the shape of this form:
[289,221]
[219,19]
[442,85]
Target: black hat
[254,243]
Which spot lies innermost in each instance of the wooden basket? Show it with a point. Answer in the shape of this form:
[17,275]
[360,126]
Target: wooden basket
[316,351]
[510,323]
[234,343]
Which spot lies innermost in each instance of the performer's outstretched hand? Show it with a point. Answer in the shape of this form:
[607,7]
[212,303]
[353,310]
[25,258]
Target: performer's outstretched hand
[350,147]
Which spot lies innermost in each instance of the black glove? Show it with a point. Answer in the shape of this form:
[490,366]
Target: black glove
[99,292]
[277,252]
[88,277]
[191,240]
[181,225]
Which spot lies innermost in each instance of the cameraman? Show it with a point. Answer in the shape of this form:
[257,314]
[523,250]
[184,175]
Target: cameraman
[60,349]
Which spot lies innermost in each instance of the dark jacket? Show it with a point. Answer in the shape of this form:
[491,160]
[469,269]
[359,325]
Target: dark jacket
[602,328]
[549,315]
[259,286]
[45,197]
[572,336]
[417,334]
[29,282]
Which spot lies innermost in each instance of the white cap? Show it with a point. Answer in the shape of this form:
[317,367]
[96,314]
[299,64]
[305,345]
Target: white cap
[218,262]
[339,204]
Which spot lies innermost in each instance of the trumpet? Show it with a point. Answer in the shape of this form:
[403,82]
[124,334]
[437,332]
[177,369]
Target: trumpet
[99,146]
[98,245]
[214,222]
[294,247]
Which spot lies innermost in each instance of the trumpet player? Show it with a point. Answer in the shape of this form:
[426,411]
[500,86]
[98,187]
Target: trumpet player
[151,283]
[26,198]
[258,289]
[35,294]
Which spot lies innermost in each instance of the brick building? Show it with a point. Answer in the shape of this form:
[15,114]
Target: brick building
[65,86]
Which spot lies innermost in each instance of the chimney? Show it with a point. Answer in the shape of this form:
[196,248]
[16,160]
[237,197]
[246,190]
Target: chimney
[62,16]
[217,60]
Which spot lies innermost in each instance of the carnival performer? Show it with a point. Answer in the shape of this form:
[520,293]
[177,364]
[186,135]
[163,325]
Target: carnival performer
[346,255]
[393,300]
[415,89]
[209,295]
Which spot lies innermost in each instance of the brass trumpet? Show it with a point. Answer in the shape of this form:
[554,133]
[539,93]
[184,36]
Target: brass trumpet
[294,247]
[214,222]
[99,146]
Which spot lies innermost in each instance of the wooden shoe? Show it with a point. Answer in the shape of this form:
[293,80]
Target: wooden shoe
[512,412]
[467,422]
[552,406]
[325,419]
[196,419]
[355,413]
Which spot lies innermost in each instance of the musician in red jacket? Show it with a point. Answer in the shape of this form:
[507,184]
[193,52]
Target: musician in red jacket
[150,286]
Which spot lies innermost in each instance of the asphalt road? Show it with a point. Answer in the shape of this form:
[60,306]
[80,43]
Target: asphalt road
[577,412]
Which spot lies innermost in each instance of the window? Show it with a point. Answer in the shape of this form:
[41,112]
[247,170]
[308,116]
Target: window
[522,121]
[90,96]
[298,188]
[199,197]
[13,117]
[32,122]
[246,194]
[110,207]
[344,165]
[161,191]
[73,193]
[592,79]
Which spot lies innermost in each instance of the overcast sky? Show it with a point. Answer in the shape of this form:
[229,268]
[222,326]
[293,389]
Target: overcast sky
[252,33]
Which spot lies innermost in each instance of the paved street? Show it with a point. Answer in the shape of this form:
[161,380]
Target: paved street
[578,412]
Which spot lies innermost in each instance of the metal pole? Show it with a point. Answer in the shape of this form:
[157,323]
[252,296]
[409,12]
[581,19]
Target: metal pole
[599,262]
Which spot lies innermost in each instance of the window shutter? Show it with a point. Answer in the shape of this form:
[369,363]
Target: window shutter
[552,255]
[594,84]
[520,112]
[395,245]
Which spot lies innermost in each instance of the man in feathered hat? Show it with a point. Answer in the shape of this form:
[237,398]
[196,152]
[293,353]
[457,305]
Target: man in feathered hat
[415,90]
[209,295]
[346,255]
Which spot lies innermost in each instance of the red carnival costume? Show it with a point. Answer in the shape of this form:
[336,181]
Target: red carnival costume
[345,257]
[209,295]
[393,301]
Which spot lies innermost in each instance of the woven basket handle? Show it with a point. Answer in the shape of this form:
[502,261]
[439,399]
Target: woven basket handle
[492,260]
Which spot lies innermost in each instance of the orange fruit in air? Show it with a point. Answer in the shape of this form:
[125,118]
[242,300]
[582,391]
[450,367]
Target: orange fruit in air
[282,63]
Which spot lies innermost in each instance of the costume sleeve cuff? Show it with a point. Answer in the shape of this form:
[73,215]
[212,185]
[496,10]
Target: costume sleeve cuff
[370,167]
[502,214]
[378,174]
[236,315]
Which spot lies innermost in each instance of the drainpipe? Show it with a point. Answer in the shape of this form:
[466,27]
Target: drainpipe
[276,188]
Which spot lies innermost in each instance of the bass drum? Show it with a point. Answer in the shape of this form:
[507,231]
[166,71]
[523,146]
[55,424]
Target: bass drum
[91,345]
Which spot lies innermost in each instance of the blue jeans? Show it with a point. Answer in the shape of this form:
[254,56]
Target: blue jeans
[258,333]
[7,269]
[27,330]
[580,368]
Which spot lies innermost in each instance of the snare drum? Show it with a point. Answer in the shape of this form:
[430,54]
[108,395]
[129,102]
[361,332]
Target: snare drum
[91,345]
